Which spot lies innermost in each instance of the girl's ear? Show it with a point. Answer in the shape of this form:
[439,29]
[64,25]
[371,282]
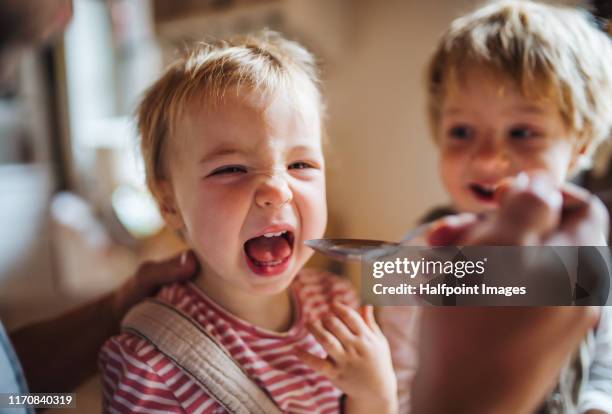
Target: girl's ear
[167,204]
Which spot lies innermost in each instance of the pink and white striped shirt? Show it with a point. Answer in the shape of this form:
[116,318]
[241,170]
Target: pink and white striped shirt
[138,378]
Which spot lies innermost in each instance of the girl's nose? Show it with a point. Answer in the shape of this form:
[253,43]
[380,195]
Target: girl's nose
[274,191]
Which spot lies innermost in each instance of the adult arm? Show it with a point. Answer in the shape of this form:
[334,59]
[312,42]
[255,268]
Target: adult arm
[58,354]
[506,360]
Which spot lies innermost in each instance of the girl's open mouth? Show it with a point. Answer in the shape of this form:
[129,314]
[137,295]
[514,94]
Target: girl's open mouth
[269,254]
[483,192]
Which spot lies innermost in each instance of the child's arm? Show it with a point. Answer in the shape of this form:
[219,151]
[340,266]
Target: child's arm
[358,362]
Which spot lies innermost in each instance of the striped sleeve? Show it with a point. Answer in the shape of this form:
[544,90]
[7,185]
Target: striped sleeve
[137,378]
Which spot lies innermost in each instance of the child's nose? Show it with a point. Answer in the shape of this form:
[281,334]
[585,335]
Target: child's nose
[273,191]
[491,156]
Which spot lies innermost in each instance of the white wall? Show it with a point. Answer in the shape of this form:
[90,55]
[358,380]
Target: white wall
[382,165]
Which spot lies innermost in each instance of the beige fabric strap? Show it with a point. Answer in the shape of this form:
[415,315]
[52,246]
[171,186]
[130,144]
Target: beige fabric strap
[199,355]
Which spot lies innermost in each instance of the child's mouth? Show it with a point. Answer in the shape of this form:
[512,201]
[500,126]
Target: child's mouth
[269,254]
[483,192]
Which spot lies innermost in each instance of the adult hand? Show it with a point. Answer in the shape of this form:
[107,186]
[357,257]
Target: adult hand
[506,360]
[532,211]
[149,277]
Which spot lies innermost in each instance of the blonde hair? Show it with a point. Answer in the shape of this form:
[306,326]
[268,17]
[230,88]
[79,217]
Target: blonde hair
[264,62]
[547,51]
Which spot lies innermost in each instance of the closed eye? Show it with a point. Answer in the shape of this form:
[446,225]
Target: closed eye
[228,170]
[300,165]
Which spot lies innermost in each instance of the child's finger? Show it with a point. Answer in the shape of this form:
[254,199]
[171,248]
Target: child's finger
[320,365]
[350,317]
[327,340]
[338,329]
[367,312]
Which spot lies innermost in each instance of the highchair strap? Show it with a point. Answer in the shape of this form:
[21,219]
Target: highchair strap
[199,355]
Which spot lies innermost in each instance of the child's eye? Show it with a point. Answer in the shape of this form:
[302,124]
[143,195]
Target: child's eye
[300,165]
[228,170]
[460,132]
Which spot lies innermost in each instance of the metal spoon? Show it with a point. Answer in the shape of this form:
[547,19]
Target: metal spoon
[354,249]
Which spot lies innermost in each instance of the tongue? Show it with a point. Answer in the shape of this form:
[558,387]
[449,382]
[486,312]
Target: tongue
[268,249]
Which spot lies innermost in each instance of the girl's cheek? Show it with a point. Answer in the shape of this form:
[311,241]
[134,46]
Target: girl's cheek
[310,198]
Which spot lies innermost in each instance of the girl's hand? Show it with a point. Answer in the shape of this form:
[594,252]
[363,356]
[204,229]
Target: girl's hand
[358,359]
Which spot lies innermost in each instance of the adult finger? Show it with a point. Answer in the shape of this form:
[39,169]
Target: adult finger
[151,275]
[528,213]
[448,231]
[520,181]
[585,219]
